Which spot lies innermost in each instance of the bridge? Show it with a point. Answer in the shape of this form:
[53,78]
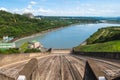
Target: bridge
[57,66]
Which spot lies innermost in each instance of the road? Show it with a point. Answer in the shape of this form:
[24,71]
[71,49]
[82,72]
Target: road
[61,67]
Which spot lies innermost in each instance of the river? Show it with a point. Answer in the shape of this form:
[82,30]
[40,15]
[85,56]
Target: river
[67,37]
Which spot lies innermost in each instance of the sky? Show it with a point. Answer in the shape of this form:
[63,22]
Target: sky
[107,8]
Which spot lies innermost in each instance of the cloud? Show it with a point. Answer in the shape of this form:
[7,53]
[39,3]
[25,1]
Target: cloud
[29,6]
[98,12]
[78,10]
[4,9]
[33,3]
[42,10]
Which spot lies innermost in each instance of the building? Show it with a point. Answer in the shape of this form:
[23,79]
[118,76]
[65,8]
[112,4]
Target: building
[30,15]
[7,45]
[35,44]
[7,39]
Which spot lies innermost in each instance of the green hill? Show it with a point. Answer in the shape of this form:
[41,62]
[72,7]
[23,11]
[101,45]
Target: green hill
[104,40]
[17,26]
[104,35]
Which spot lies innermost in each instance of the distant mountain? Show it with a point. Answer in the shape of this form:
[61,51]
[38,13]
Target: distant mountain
[80,17]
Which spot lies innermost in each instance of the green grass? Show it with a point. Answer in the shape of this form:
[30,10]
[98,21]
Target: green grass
[3,50]
[23,47]
[9,51]
[111,46]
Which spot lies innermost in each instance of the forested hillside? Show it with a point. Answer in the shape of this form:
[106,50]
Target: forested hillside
[17,26]
[105,35]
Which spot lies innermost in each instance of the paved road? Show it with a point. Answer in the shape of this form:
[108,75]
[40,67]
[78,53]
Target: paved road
[61,67]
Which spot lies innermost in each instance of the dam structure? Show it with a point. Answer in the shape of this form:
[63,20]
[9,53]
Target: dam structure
[59,64]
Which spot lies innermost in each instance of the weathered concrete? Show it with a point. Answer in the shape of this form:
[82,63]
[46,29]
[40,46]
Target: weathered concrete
[8,59]
[118,78]
[29,68]
[110,55]
[60,51]
[106,69]
[63,67]
[92,71]
[4,77]
[89,74]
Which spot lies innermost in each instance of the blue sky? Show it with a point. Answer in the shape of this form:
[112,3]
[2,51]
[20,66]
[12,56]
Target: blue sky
[63,7]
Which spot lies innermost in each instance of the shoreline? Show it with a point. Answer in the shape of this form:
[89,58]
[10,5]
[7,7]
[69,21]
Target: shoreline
[83,43]
[44,32]
[40,33]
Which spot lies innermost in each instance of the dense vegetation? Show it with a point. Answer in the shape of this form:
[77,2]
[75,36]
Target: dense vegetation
[104,35]
[104,40]
[33,50]
[9,51]
[17,26]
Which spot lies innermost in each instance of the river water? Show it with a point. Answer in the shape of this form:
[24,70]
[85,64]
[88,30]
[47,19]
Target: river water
[67,37]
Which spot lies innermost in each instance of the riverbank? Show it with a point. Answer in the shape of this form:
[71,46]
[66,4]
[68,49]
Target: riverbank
[46,31]
[41,33]
[68,37]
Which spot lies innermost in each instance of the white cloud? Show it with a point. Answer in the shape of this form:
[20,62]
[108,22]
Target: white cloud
[4,9]
[29,6]
[80,10]
[26,10]
[98,12]
[16,11]
[42,10]
[33,3]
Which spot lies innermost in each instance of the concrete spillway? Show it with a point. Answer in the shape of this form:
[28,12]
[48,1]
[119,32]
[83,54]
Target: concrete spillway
[61,67]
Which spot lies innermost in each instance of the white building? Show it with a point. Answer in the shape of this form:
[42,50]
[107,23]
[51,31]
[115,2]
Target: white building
[35,44]
[7,45]
[7,39]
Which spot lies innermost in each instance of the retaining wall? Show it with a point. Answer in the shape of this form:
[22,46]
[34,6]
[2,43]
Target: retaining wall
[110,55]
[7,59]
[57,51]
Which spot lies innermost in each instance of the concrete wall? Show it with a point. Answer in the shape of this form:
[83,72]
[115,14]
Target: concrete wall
[7,59]
[118,78]
[89,74]
[61,51]
[111,55]
[3,77]
[29,69]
